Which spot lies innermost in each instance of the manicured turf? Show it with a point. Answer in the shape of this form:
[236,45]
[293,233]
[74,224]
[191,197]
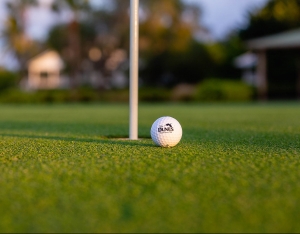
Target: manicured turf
[237,169]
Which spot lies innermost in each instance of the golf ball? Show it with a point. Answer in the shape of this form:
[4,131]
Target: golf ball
[166,132]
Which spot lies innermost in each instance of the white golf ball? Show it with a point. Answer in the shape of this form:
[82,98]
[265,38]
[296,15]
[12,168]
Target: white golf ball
[166,132]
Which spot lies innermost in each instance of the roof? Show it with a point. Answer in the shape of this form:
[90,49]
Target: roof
[42,54]
[289,39]
[48,60]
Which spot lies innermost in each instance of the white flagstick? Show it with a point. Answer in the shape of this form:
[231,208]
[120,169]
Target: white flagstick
[134,74]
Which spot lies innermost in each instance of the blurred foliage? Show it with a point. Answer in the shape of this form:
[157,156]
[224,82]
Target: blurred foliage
[72,39]
[209,90]
[63,96]
[103,30]
[170,67]
[163,28]
[153,94]
[14,34]
[275,17]
[216,89]
[170,53]
[183,93]
[174,44]
[223,54]
[7,80]
[74,5]
[58,40]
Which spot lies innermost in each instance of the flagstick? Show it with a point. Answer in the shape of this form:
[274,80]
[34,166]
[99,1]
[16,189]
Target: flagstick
[134,75]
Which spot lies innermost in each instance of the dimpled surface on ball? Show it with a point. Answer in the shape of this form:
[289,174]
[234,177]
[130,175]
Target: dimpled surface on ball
[166,132]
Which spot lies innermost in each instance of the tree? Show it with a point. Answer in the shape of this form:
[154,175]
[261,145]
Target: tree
[99,34]
[72,48]
[168,38]
[168,30]
[14,33]
[169,45]
[275,17]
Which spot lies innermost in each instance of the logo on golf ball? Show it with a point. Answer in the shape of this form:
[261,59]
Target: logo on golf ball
[166,132]
[166,129]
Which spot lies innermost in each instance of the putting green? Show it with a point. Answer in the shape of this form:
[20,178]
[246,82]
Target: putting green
[236,169]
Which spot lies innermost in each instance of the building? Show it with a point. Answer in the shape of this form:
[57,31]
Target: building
[278,64]
[44,72]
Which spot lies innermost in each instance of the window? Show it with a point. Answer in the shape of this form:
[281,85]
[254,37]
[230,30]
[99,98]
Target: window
[44,75]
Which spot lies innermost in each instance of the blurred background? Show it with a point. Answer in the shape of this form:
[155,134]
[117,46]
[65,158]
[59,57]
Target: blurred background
[190,50]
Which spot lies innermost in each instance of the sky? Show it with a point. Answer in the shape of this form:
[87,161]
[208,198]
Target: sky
[219,16]
[222,16]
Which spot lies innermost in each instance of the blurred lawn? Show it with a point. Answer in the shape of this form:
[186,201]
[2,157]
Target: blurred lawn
[235,170]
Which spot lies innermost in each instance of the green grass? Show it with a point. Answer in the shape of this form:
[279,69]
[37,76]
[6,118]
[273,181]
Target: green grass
[237,169]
